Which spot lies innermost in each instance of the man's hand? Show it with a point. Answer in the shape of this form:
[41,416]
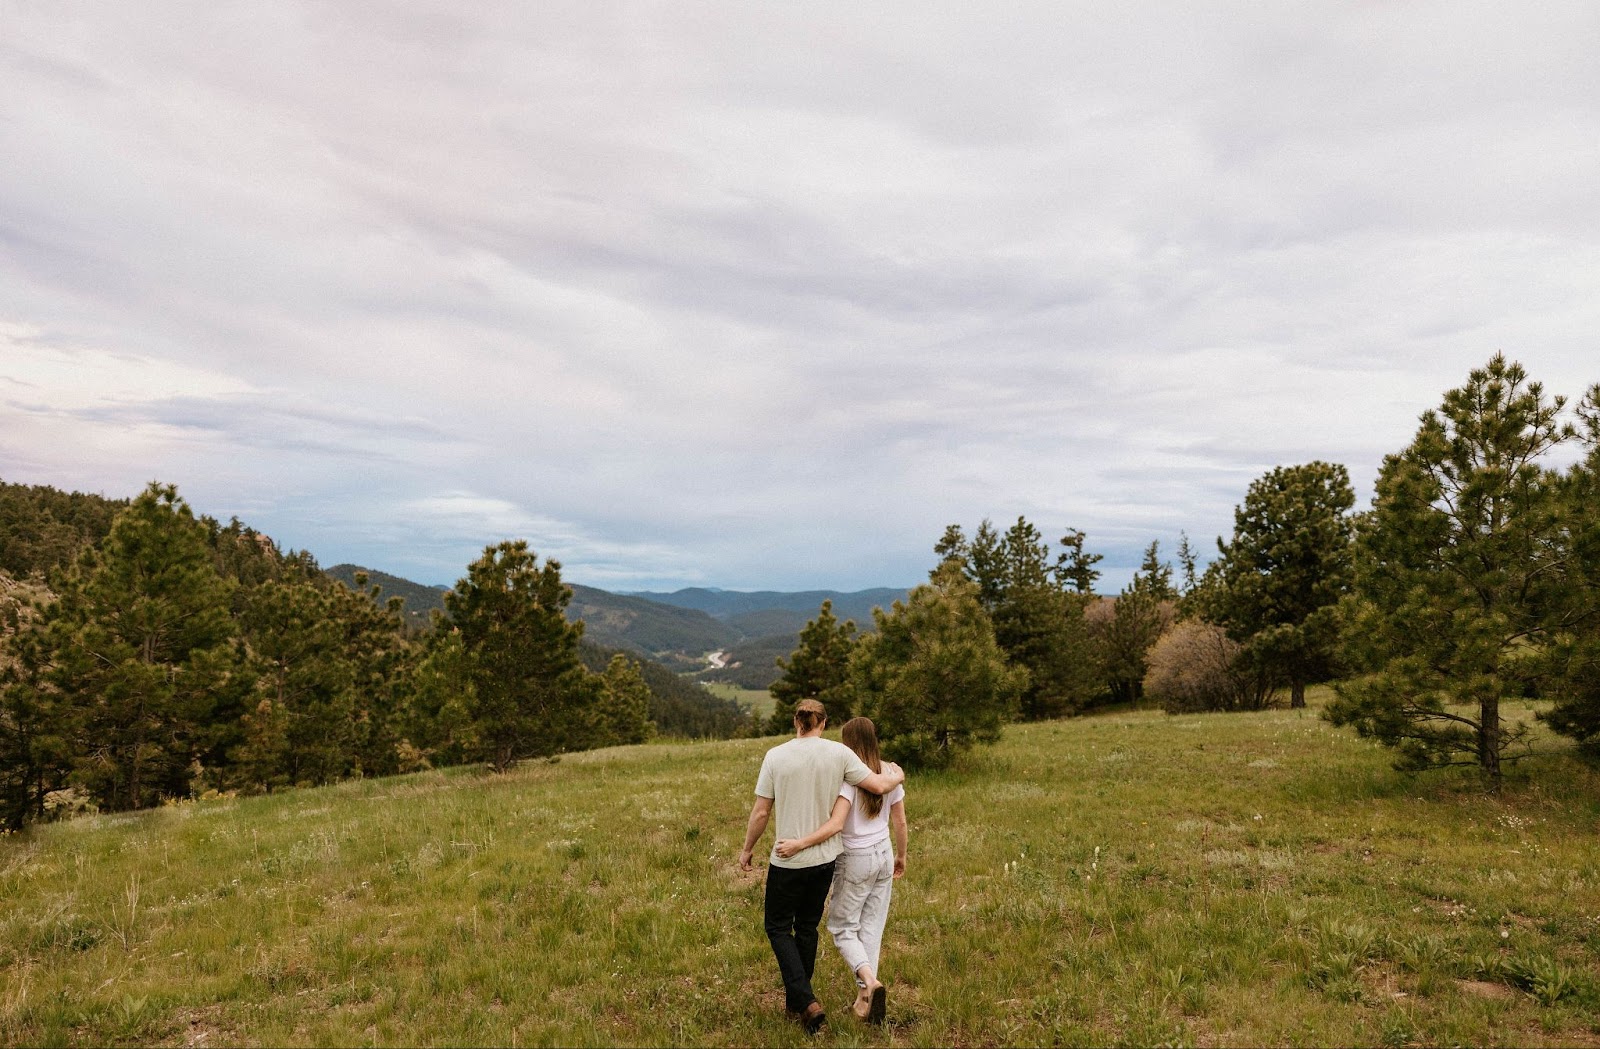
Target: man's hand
[745,858]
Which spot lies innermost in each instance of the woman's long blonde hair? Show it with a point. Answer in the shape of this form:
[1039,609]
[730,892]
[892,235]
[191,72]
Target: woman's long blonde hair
[861,736]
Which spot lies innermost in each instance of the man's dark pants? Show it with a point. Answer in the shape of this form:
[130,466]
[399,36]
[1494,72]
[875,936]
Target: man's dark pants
[795,901]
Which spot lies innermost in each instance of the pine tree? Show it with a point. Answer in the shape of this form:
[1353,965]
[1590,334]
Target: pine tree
[1458,567]
[1155,575]
[1075,567]
[1124,629]
[932,676]
[138,648]
[436,717]
[623,713]
[1573,685]
[1281,577]
[1041,627]
[35,744]
[529,692]
[1189,566]
[818,669]
[329,663]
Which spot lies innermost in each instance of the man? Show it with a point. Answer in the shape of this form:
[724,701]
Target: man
[799,783]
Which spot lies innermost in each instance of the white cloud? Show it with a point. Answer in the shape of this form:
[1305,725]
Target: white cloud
[764,296]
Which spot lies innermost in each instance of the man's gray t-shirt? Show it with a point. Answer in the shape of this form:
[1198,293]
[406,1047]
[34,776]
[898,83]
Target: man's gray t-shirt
[802,778]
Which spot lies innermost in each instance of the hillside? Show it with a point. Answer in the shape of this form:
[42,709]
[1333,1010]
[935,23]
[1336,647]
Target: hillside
[753,663]
[677,630]
[730,604]
[43,529]
[421,600]
[1129,879]
[679,636]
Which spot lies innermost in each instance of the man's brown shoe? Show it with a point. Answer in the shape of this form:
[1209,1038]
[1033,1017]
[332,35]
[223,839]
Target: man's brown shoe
[813,1019]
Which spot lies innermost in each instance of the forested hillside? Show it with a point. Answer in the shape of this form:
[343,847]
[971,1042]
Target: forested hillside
[731,605]
[421,600]
[43,529]
[147,653]
[676,636]
[679,637]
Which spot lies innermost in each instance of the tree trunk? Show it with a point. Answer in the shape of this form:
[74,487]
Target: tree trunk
[1297,694]
[1489,740]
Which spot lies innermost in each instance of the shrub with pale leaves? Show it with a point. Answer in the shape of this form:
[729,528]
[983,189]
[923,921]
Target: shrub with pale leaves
[1195,666]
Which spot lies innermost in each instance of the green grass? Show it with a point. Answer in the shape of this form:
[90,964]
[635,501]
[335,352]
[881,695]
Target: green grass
[1126,879]
[759,700]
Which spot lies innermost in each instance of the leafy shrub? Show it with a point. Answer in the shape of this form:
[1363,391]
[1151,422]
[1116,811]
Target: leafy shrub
[1196,666]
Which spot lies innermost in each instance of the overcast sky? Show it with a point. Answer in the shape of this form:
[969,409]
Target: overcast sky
[762,296]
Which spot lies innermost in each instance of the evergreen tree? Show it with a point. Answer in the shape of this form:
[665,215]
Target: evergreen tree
[43,531]
[374,644]
[953,544]
[986,564]
[35,748]
[1125,628]
[1281,577]
[436,718]
[819,669]
[329,663]
[1041,628]
[297,724]
[1075,567]
[1574,684]
[138,649]
[1458,568]
[1155,575]
[1189,565]
[932,676]
[1038,624]
[623,713]
[530,694]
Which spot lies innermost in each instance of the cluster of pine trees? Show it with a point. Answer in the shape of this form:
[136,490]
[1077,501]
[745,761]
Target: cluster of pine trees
[1003,629]
[146,655]
[1474,578]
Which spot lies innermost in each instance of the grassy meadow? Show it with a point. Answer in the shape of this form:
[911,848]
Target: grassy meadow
[759,700]
[1125,879]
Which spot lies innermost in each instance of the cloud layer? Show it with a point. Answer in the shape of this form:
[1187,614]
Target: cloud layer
[761,296]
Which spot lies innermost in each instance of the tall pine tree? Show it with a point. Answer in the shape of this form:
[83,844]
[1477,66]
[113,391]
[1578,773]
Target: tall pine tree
[932,676]
[1458,567]
[530,694]
[139,650]
[818,669]
[1281,577]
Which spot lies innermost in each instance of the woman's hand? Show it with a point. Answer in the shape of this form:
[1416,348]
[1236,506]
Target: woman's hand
[787,847]
[899,866]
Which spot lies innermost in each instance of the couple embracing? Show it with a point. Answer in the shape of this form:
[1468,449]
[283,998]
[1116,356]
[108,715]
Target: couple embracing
[836,806]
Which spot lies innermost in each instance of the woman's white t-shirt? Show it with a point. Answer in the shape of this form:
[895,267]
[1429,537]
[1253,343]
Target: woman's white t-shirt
[859,831]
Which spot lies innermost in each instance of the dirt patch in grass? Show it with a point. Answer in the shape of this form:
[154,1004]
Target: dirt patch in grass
[1486,989]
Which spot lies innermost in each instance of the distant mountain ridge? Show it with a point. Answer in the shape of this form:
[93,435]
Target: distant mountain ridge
[421,599]
[676,629]
[732,604]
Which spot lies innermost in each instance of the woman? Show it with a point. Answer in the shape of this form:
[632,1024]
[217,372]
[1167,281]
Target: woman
[866,870]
